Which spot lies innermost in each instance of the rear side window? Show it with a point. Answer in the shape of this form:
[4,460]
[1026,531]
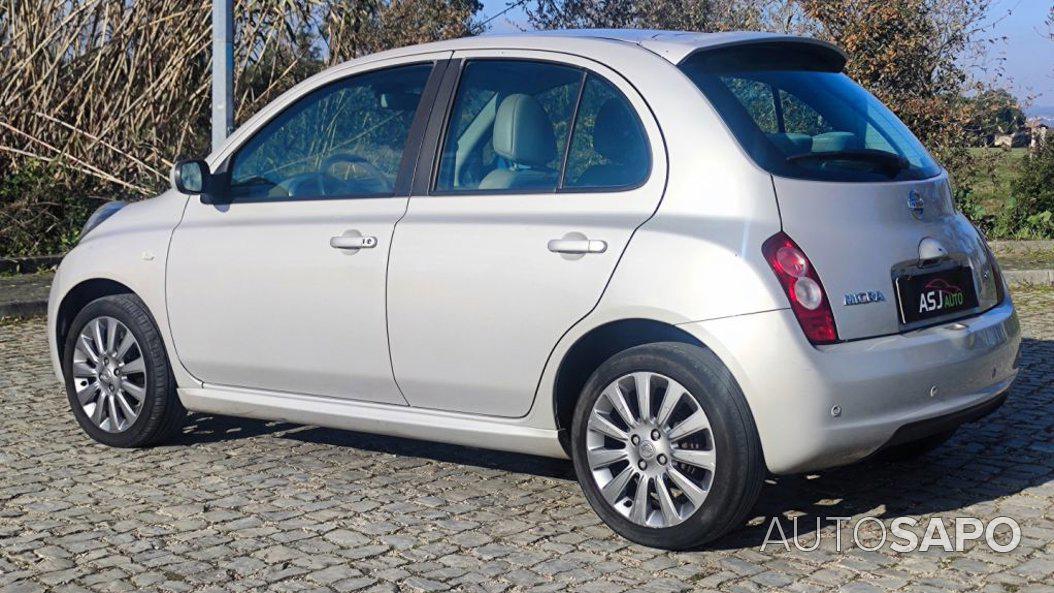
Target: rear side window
[343,140]
[609,149]
[799,116]
[509,126]
[520,126]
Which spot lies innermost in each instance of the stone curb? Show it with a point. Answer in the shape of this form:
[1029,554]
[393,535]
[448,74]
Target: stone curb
[1021,245]
[24,309]
[1029,277]
[28,265]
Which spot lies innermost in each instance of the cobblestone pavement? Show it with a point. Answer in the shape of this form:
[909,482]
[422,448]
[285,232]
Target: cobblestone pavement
[239,505]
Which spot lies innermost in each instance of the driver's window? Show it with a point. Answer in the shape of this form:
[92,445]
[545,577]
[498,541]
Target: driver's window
[343,140]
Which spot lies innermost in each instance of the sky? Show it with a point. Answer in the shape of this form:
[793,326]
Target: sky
[1027,53]
[1026,57]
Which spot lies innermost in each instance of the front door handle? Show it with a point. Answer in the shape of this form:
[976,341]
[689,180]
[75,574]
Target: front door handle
[577,246]
[355,241]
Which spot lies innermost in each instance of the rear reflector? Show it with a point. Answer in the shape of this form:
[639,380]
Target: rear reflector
[803,288]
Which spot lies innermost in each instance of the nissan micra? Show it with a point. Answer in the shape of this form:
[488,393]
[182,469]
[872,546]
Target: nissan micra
[682,260]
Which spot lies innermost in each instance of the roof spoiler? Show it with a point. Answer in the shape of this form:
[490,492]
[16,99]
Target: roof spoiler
[797,53]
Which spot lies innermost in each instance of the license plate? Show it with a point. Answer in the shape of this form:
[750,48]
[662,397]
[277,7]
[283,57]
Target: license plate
[935,294]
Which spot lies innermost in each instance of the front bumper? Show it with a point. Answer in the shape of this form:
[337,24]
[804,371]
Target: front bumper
[819,407]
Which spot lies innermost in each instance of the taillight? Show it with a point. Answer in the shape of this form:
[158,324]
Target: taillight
[997,272]
[997,277]
[803,287]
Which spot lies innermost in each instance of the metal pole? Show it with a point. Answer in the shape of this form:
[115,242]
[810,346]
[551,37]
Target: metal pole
[222,70]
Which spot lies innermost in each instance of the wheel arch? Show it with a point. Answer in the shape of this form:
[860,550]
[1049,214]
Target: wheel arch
[77,298]
[596,346]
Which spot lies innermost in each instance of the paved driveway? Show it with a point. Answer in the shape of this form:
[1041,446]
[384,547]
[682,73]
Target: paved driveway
[240,505]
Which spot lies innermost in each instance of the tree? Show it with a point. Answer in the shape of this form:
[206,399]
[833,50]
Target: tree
[353,29]
[996,111]
[683,15]
[1030,213]
[119,88]
[98,97]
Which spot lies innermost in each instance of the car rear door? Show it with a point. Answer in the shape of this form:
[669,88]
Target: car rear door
[503,248]
[279,283]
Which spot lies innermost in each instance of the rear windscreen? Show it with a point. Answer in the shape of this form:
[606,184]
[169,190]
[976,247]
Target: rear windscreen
[798,116]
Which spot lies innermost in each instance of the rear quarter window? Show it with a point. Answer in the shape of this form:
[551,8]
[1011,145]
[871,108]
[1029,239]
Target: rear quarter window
[609,148]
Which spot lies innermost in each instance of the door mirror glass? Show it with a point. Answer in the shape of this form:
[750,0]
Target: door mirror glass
[189,177]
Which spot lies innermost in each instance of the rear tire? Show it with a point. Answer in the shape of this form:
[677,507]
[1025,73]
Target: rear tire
[700,462]
[118,379]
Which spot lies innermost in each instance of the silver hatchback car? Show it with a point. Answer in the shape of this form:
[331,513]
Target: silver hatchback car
[682,260]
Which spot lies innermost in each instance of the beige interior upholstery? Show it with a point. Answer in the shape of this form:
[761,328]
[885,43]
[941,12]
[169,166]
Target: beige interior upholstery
[523,135]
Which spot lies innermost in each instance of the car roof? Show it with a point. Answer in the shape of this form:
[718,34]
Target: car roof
[674,46]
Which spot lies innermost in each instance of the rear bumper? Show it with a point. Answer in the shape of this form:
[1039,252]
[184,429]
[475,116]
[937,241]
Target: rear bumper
[819,407]
[921,429]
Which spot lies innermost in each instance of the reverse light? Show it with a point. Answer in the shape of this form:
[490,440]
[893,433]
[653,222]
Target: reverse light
[803,288]
[808,293]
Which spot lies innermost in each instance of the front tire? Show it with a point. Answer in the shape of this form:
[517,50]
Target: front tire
[665,447]
[118,380]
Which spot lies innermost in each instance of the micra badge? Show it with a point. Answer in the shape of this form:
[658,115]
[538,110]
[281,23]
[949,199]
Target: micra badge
[863,298]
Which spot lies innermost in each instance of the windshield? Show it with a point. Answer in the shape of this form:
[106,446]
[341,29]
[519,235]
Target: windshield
[802,118]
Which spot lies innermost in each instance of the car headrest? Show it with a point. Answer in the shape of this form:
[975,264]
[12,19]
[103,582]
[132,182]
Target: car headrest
[523,133]
[616,134]
[792,143]
[835,141]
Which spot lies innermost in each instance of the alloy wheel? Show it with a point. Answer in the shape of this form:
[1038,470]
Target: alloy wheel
[109,374]
[650,449]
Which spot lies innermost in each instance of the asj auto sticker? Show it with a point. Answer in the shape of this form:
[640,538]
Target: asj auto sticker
[939,294]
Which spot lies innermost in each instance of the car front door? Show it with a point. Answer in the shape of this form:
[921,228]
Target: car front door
[279,283]
[544,168]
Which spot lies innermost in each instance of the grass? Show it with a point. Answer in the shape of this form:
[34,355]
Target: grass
[992,185]
[1018,256]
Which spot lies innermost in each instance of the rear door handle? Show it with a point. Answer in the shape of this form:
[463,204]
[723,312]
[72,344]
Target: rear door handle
[352,242]
[577,246]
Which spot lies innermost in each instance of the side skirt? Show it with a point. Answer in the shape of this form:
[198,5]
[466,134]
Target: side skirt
[399,421]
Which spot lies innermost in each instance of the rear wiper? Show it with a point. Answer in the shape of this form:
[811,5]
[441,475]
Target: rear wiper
[891,163]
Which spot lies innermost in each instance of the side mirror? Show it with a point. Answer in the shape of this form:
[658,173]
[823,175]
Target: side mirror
[189,177]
